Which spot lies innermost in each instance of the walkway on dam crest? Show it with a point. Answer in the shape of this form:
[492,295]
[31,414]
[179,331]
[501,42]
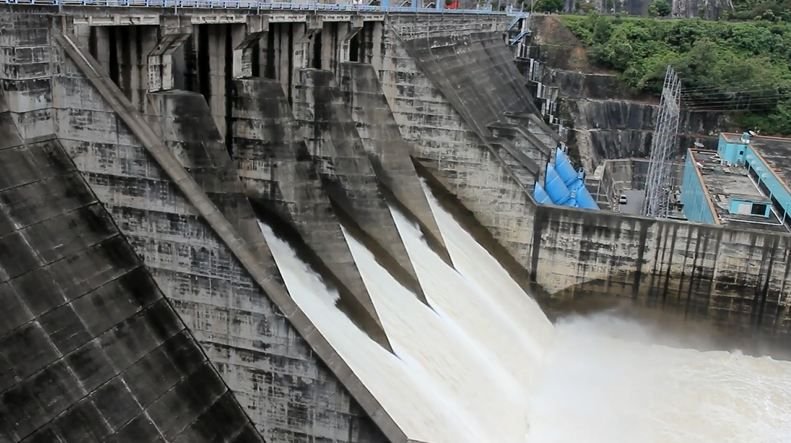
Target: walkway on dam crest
[269,6]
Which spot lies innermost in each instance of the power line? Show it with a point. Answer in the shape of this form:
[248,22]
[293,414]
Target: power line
[741,100]
[717,88]
[768,102]
[735,84]
[746,92]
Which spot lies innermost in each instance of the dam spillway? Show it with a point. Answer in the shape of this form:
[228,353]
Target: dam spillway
[596,378]
[214,227]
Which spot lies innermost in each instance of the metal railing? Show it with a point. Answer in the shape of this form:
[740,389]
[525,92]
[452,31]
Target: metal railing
[264,6]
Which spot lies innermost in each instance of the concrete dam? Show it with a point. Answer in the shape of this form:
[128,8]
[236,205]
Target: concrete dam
[239,221]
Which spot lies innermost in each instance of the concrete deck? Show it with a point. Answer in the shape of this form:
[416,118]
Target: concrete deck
[777,153]
[723,182]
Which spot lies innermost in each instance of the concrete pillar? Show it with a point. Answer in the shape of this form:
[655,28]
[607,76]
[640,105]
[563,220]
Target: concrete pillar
[377,35]
[303,42]
[285,53]
[353,29]
[101,37]
[243,53]
[162,60]
[83,33]
[303,37]
[135,43]
[265,45]
[221,41]
[329,35]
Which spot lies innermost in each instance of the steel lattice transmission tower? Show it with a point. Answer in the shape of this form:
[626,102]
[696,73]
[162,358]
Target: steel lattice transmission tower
[663,145]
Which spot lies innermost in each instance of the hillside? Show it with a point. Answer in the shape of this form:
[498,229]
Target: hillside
[771,10]
[741,68]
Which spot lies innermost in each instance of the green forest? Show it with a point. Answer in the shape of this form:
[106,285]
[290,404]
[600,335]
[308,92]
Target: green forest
[771,10]
[730,66]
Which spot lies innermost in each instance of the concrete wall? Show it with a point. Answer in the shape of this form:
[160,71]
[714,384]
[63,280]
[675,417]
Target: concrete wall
[274,374]
[347,173]
[90,348]
[389,153]
[734,277]
[279,380]
[448,119]
[468,168]
[279,178]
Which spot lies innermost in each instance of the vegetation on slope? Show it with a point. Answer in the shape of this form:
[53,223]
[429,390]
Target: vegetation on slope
[726,66]
[770,10]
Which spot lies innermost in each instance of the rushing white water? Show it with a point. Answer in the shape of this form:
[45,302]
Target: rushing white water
[469,376]
[481,362]
[505,325]
[420,407]
[605,382]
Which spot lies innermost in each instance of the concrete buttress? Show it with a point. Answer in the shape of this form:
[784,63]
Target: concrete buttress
[475,172]
[347,172]
[90,348]
[279,367]
[280,179]
[390,155]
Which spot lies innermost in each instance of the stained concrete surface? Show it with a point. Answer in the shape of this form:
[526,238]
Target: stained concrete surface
[576,253]
[481,81]
[240,313]
[347,172]
[443,141]
[279,178]
[390,154]
[89,347]
[215,281]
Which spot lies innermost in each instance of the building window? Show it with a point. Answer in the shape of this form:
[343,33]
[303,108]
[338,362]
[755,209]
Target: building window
[758,209]
[753,174]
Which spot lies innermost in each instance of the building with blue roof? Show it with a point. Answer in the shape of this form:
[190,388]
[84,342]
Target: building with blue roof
[743,183]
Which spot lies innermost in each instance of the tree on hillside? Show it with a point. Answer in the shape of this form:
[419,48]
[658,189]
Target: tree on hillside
[549,5]
[740,68]
[659,8]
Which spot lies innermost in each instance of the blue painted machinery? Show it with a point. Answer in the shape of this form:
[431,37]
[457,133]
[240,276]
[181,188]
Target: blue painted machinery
[563,185]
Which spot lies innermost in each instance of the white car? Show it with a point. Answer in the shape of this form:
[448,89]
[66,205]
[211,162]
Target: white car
[622,200]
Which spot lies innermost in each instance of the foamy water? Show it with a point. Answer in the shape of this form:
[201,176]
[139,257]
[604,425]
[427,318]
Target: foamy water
[506,325]
[416,403]
[478,390]
[481,362]
[602,385]
[603,381]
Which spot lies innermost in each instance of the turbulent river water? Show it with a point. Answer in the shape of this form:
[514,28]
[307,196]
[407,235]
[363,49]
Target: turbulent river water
[482,363]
